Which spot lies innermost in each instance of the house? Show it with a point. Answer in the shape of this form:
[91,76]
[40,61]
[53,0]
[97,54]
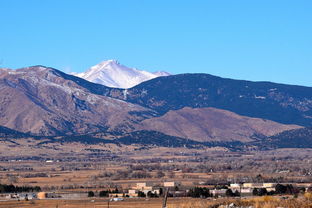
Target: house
[132,193]
[243,191]
[22,196]
[267,186]
[42,195]
[12,196]
[169,184]
[28,196]
[253,185]
[116,195]
[235,186]
[182,193]
[218,192]
[144,186]
[259,185]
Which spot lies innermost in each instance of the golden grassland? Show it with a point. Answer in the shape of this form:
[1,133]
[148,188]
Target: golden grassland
[73,176]
[256,202]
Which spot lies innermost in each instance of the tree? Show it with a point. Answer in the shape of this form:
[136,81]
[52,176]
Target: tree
[198,192]
[116,190]
[151,194]
[259,192]
[280,189]
[103,193]
[229,193]
[236,193]
[290,189]
[262,191]
[2,189]
[11,188]
[90,194]
[161,192]
[141,194]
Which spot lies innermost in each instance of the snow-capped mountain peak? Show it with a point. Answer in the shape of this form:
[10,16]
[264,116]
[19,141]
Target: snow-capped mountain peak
[113,74]
[108,63]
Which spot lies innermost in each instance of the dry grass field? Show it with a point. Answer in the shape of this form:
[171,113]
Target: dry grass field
[79,170]
[192,167]
[257,202]
[80,204]
[97,203]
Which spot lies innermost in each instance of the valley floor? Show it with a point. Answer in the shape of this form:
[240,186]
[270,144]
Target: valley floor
[257,202]
[80,168]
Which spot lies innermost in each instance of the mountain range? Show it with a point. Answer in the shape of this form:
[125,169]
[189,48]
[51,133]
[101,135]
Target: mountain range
[188,109]
[287,104]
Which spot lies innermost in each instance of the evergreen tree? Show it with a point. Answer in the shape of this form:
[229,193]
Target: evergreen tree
[90,194]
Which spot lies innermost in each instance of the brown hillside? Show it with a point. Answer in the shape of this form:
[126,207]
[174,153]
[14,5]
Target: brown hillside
[211,124]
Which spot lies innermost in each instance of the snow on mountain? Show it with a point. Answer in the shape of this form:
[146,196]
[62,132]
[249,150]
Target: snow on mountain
[112,74]
[45,101]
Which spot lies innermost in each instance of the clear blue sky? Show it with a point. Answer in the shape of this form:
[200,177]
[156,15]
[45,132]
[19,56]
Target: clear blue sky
[252,39]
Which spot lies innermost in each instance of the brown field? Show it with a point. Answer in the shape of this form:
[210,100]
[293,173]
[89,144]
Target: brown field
[177,163]
[259,202]
[82,203]
[75,168]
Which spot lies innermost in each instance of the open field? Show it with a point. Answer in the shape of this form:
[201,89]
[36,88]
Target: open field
[259,202]
[82,203]
[191,167]
[85,170]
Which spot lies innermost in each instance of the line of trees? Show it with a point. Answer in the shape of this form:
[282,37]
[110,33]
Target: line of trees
[15,189]
[199,192]
[103,193]
[279,189]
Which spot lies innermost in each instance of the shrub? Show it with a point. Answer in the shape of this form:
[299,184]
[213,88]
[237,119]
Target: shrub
[199,192]
[103,193]
[141,194]
[90,194]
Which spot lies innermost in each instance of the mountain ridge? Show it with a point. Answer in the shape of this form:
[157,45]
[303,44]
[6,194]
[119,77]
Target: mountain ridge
[47,102]
[211,124]
[287,104]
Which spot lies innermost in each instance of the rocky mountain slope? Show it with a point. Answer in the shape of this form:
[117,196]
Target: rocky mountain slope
[200,108]
[45,101]
[112,74]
